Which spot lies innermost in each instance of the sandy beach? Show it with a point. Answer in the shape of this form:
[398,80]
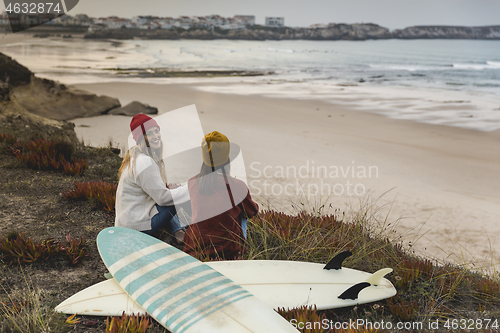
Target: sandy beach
[435,187]
[9,38]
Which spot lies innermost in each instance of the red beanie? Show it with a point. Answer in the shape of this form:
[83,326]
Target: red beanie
[140,124]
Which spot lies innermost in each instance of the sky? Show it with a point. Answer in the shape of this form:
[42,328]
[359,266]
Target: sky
[392,14]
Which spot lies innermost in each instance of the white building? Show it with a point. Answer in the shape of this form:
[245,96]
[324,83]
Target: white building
[232,24]
[113,22]
[29,20]
[216,20]
[100,20]
[131,25]
[97,27]
[147,26]
[64,20]
[275,22]
[82,19]
[116,23]
[166,22]
[245,19]
[187,22]
[140,20]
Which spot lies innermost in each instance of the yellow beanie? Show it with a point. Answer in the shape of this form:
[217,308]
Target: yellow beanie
[215,147]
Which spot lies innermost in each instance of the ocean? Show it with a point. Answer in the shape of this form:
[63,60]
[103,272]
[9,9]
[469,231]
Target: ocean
[448,82]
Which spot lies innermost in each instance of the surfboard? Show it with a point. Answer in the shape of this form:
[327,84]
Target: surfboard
[180,292]
[280,284]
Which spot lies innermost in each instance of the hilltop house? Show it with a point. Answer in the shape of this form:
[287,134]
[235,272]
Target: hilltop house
[29,20]
[216,20]
[245,19]
[232,23]
[147,26]
[116,23]
[275,22]
[155,22]
[97,27]
[166,22]
[82,19]
[64,20]
[113,22]
[26,20]
[140,20]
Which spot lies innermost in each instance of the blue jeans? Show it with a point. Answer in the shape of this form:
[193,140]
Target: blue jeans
[165,219]
[244,222]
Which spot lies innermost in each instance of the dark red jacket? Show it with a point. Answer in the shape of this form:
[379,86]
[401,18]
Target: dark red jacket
[218,233]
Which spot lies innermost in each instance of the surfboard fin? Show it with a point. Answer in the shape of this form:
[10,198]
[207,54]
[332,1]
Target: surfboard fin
[353,292]
[336,262]
[376,277]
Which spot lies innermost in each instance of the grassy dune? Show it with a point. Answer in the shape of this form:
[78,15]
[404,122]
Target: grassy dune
[431,294]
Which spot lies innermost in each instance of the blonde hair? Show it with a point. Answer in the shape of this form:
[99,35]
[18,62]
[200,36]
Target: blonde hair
[142,148]
[206,181]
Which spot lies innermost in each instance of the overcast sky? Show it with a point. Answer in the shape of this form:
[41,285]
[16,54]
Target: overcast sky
[393,14]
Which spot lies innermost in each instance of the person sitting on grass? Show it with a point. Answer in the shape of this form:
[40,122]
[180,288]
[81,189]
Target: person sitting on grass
[143,200]
[220,205]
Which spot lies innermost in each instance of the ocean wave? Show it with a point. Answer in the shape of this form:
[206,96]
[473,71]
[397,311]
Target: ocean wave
[479,67]
[486,85]
[494,63]
[280,50]
[410,68]
[413,68]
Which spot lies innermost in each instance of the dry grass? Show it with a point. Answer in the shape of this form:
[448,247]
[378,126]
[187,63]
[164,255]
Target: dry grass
[26,310]
[427,290]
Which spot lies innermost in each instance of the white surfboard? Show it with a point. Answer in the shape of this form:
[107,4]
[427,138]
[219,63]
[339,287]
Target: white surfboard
[280,284]
[180,292]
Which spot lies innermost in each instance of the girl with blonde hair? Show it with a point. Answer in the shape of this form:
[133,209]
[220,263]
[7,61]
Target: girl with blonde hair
[144,201]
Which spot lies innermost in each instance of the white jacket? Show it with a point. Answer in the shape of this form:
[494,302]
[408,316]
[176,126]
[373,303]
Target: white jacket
[137,194]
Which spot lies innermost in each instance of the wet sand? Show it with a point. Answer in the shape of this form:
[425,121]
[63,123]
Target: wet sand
[9,38]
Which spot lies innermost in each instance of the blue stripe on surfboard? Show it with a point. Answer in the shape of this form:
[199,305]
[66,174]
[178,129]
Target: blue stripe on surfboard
[207,310]
[121,238]
[132,287]
[199,311]
[219,299]
[205,293]
[143,261]
[191,284]
[195,320]
[175,279]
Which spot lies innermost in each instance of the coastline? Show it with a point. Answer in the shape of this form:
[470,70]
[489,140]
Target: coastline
[442,181]
[437,93]
[333,31]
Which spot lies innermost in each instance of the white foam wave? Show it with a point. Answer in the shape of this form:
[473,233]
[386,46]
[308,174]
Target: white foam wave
[280,50]
[410,68]
[479,67]
[494,63]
